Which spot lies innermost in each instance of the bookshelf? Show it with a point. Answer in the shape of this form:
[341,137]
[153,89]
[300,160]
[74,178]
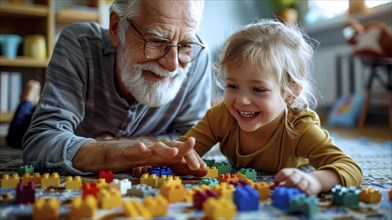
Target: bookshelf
[39,17]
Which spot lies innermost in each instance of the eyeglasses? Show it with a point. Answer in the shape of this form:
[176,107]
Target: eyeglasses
[156,47]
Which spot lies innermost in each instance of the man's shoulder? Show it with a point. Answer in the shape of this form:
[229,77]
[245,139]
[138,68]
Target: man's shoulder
[85,29]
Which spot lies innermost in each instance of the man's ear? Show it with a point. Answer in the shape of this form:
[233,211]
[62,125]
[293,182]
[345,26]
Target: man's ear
[113,28]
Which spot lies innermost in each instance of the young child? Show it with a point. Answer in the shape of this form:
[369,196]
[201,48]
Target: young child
[22,117]
[265,121]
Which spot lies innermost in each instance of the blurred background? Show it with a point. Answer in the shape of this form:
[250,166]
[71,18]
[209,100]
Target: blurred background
[347,104]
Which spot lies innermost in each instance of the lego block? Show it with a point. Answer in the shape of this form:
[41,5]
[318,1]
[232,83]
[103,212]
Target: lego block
[46,209]
[83,209]
[199,197]
[246,198]
[90,189]
[249,173]
[140,190]
[159,171]
[135,210]
[263,189]
[209,182]
[173,193]
[390,193]
[223,167]
[282,195]
[211,172]
[369,195]
[224,190]
[74,183]
[108,175]
[25,169]
[240,182]
[50,180]
[8,181]
[219,209]
[227,178]
[169,180]
[108,199]
[346,197]
[188,195]
[157,206]
[102,184]
[25,194]
[150,180]
[36,178]
[209,163]
[121,185]
[303,204]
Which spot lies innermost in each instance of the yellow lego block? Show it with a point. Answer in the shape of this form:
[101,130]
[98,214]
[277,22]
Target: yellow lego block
[188,195]
[83,209]
[50,180]
[102,184]
[46,209]
[169,180]
[369,195]
[173,193]
[74,183]
[109,199]
[35,178]
[10,181]
[149,180]
[263,189]
[219,209]
[224,190]
[134,209]
[157,205]
[212,172]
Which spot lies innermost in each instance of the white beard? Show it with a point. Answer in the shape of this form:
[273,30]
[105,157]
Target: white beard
[152,94]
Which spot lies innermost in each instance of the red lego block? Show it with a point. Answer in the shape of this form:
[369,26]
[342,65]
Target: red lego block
[108,175]
[90,189]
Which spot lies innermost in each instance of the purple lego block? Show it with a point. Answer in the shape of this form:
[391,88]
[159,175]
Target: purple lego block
[246,198]
[25,194]
[281,196]
[200,197]
[239,183]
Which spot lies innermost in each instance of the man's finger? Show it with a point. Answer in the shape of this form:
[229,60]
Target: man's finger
[162,150]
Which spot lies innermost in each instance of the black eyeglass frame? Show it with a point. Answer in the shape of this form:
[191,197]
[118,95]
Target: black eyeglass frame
[140,35]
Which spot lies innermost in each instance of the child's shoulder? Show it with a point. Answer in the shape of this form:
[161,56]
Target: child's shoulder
[303,116]
[221,113]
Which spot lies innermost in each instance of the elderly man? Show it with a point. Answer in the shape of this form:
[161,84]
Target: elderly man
[110,95]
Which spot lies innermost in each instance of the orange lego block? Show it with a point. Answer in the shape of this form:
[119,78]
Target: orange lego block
[83,209]
[169,180]
[74,183]
[212,172]
[219,209]
[369,195]
[390,193]
[173,193]
[46,209]
[226,178]
[109,199]
[149,180]
[134,209]
[263,189]
[224,190]
[35,178]
[8,181]
[157,205]
[50,180]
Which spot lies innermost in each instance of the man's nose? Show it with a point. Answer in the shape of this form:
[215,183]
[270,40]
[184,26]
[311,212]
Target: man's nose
[170,60]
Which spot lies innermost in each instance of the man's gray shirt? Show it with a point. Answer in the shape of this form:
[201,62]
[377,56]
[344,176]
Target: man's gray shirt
[79,101]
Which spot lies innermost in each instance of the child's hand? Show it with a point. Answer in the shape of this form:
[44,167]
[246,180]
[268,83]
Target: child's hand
[296,178]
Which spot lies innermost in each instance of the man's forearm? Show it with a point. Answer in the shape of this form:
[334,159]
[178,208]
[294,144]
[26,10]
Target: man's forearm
[115,155]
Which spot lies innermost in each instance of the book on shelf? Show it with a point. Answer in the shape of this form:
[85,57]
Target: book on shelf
[4,92]
[10,88]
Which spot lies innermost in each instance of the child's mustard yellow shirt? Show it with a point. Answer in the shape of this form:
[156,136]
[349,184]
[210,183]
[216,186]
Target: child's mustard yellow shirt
[311,145]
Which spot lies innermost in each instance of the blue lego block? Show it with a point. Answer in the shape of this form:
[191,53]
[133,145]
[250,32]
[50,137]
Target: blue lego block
[281,196]
[246,198]
[303,204]
[159,171]
[346,197]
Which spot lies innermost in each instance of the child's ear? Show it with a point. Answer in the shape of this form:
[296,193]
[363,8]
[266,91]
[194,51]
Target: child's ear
[296,92]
